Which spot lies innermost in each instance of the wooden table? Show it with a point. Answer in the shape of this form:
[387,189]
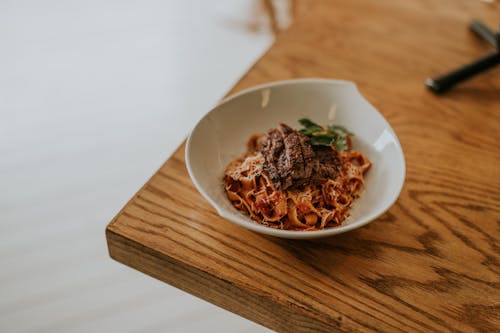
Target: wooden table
[431,263]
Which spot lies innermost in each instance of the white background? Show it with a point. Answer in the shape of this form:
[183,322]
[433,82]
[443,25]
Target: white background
[94,96]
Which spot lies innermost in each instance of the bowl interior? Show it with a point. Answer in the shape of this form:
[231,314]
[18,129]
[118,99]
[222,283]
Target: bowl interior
[222,134]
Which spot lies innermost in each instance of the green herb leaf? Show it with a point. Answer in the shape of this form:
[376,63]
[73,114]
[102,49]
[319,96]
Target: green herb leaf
[335,135]
[308,132]
[322,140]
[340,144]
[339,130]
[310,125]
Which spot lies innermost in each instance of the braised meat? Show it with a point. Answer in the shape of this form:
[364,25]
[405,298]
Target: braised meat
[291,160]
[273,151]
[328,165]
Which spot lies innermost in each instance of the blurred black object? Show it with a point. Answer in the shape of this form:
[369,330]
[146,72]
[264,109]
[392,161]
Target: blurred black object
[446,81]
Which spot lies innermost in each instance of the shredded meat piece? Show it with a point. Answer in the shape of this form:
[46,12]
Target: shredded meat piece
[292,161]
[272,150]
[328,166]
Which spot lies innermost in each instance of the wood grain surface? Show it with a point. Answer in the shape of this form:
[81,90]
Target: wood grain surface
[430,264]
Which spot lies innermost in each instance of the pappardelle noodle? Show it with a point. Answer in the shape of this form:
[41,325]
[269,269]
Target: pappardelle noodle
[303,179]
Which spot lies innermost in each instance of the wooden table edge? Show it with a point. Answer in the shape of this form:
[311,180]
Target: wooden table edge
[220,292]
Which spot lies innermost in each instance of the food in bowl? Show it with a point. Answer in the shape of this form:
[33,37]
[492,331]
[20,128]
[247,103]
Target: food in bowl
[303,180]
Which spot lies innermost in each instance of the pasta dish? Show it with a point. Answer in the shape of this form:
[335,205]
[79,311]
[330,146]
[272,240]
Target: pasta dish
[297,180]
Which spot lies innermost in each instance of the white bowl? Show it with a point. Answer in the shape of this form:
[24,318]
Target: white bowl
[221,136]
